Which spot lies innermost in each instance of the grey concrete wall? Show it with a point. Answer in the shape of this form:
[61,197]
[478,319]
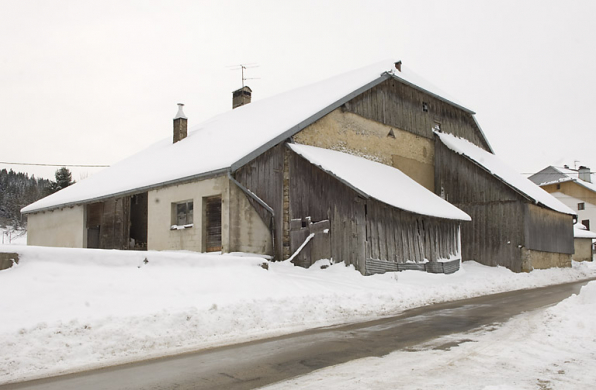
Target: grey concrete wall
[583,249]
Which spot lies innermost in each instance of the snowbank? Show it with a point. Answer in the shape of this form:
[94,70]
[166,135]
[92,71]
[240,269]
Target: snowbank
[65,310]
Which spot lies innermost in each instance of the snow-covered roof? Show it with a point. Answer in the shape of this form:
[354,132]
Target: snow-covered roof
[230,140]
[499,169]
[581,232]
[382,182]
[556,175]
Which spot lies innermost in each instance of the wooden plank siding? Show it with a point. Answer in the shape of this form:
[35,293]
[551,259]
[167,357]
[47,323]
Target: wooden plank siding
[400,236]
[316,194]
[503,221]
[400,105]
[112,217]
[264,177]
[363,229]
[548,231]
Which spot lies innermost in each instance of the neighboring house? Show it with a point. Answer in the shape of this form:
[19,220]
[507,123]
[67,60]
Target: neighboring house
[514,222]
[573,187]
[583,243]
[345,169]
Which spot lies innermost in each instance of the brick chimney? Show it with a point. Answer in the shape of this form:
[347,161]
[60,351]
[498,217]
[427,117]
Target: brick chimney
[584,174]
[180,124]
[241,97]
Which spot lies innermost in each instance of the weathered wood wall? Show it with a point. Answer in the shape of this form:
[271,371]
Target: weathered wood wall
[399,236]
[316,194]
[503,221]
[400,105]
[496,233]
[362,229]
[264,177]
[547,230]
[112,217]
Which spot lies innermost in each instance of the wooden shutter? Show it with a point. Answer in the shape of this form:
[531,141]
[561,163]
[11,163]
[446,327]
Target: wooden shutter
[213,223]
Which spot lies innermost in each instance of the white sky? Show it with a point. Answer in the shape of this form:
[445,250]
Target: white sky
[89,82]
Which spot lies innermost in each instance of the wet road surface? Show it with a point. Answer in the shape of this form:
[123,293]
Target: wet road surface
[254,364]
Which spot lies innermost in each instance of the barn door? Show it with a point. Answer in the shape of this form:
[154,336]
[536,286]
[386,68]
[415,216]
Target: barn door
[213,223]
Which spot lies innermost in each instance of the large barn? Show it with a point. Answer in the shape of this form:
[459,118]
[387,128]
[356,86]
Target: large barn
[343,169]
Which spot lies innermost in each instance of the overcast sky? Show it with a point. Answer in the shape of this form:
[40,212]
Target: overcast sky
[92,82]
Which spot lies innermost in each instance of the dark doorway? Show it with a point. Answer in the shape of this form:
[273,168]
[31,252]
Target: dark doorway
[138,221]
[212,223]
[94,213]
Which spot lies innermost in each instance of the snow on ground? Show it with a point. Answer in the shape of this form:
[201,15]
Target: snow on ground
[65,310]
[553,348]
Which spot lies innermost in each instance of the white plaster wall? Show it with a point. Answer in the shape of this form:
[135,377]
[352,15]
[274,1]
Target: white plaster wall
[159,234]
[590,209]
[63,227]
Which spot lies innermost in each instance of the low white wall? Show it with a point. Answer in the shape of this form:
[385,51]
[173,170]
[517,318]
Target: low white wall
[159,234]
[59,228]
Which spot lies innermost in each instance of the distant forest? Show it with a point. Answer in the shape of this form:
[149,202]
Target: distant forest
[17,190]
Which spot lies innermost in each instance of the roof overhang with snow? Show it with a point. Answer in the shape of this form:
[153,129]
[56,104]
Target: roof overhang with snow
[230,140]
[381,182]
[492,164]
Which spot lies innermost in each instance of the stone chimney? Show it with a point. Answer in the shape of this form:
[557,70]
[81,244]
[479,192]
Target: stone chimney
[241,97]
[398,65]
[584,174]
[180,124]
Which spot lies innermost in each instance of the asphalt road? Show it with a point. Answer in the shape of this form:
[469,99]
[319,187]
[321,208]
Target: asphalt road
[258,363]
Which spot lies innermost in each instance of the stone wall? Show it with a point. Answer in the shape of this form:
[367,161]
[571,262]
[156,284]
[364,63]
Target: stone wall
[8,259]
[351,133]
[541,260]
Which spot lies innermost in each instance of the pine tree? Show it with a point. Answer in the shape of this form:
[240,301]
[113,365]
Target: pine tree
[63,180]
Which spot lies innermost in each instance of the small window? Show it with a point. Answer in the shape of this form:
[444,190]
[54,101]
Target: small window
[183,213]
[437,126]
[425,106]
[586,223]
[581,206]
[558,186]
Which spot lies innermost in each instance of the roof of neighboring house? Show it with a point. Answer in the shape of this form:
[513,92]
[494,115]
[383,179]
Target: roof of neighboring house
[230,140]
[556,175]
[503,172]
[381,182]
[582,232]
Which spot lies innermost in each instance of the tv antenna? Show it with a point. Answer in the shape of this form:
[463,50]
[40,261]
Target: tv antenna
[243,67]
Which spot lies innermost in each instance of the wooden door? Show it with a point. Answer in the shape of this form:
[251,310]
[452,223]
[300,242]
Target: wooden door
[213,223]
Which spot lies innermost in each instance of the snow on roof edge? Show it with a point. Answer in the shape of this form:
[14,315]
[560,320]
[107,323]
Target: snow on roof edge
[504,173]
[366,177]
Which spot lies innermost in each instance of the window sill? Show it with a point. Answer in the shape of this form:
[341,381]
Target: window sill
[181,227]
